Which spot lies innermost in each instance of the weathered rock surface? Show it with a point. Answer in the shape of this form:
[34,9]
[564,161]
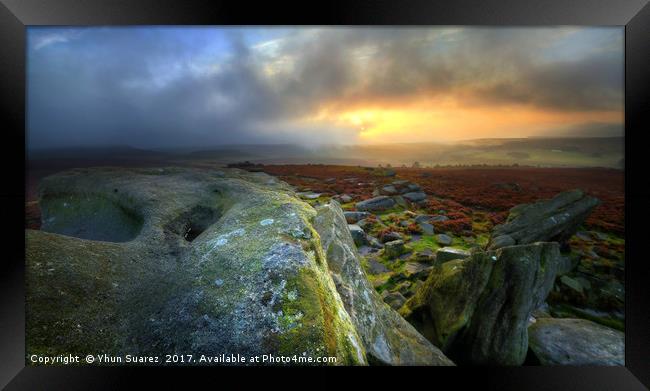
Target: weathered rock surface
[376,204]
[446,254]
[415,196]
[152,261]
[386,336]
[391,236]
[358,235]
[426,228]
[388,190]
[554,220]
[443,239]
[403,186]
[477,309]
[394,299]
[394,249]
[417,269]
[575,342]
[354,217]
[375,267]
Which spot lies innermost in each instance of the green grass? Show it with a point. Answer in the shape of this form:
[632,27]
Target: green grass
[425,242]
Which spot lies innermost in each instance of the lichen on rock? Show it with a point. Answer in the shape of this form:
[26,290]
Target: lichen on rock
[386,336]
[254,280]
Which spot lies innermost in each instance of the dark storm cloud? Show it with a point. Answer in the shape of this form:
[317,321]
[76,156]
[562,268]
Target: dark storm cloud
[111,95]
[484,65]
[591,83]
[163,87]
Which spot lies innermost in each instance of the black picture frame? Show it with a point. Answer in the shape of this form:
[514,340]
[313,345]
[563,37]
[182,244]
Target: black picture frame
[15,15]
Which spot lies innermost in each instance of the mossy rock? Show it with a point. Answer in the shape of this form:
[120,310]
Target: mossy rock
[386,336]
[207,262]
[477,309]
[556,219]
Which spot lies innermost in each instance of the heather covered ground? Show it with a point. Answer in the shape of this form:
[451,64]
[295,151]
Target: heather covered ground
[472,200]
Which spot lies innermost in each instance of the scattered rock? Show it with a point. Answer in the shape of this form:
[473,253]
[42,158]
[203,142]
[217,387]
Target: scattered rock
[446,254]
[394,299]
[394,249]
[439,218]
[427,228]
[388,190]
[508,186]
[444,240]
[375,267]
[415,196]
[417,270]
[366,224]
[345,198]
[413,187]
[399,200]
[391,236]
[374,242]
[425,255]
[575,342]
[354,217]
[376,204]
[423,218]
[358,235]
[551,220]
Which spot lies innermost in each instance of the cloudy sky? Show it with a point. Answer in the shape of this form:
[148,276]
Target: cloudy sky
[204,86]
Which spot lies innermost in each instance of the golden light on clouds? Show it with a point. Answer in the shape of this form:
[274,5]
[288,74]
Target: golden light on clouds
[445,120]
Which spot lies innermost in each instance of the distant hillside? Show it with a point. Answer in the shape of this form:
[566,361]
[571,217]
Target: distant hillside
[542,152]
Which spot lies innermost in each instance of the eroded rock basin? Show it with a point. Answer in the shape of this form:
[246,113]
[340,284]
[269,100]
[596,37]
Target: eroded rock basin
[90,216]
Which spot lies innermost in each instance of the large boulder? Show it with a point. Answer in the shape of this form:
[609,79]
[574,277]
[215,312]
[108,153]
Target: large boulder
[152,261]
[376,204]
[386,336]
[445,303]
[477,309]
[554,220]
[575,342]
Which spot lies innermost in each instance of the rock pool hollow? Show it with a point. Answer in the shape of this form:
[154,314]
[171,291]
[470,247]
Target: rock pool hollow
[90,216]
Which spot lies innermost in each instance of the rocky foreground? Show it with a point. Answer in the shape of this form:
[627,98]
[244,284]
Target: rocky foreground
[156,261]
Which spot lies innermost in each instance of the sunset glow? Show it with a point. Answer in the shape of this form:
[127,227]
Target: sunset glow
[174,86]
